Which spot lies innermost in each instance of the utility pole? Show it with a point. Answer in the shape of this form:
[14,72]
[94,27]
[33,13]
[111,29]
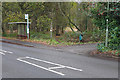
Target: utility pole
[106,41]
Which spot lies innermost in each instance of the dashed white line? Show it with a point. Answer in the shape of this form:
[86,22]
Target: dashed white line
[3,50]
[6,51]
[2,53]
[10,52]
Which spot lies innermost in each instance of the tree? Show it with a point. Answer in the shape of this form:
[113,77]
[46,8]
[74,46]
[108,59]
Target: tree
[66,14]
[100,14]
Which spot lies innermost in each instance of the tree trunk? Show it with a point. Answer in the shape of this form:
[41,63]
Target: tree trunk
[3,31]
[57,30]
[62,30]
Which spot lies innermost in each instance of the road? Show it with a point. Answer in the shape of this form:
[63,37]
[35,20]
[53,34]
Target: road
[29,62]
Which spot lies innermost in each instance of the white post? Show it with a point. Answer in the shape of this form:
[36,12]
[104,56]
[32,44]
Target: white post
[26,17]
[106,41]
[51,30]
[51,25]
[28,28]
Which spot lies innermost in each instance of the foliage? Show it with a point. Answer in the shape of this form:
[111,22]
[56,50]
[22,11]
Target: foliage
[13,35]
[40,35]
[43,15]
[114,39]
[43,23]
[71,36]
[100,13]
[98,35]
[101,47]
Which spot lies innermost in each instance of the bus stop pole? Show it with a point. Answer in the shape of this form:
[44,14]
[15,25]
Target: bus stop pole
[26,17]
[28,28]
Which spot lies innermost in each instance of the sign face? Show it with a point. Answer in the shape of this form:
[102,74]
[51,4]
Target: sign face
[26,16]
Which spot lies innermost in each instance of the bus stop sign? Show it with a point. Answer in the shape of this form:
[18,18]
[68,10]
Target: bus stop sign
[26,16]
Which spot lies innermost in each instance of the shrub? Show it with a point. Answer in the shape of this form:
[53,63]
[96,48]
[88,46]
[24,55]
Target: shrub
[98,35]
[36,35]
[114,39]
[71,36]
[101,47]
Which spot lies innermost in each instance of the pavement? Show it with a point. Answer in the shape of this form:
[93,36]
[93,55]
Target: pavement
[19,61]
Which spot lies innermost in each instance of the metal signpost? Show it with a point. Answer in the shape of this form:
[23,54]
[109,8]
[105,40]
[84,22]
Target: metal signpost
[26,17]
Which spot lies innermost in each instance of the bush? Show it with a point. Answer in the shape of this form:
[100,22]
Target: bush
[98,35]
[10,35]
[101,47]
[94,36]
[113,42]
[114,39]
[71,36]
[36,35]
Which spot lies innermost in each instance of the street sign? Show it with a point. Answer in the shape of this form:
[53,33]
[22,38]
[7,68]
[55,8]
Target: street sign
[26,16]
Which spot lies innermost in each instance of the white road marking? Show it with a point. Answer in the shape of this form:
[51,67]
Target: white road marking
[41,67]
[2,53]
[57,67]
[10,52]
[54,64]
[44,61]
[3,50]
[6,51]
[48,62]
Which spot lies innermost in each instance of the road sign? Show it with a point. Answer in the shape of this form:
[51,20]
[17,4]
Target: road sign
[26,16]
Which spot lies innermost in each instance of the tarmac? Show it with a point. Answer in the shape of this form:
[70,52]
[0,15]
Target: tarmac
[81,49]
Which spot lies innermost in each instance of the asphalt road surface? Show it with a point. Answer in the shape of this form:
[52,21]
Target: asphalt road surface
[29,62]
